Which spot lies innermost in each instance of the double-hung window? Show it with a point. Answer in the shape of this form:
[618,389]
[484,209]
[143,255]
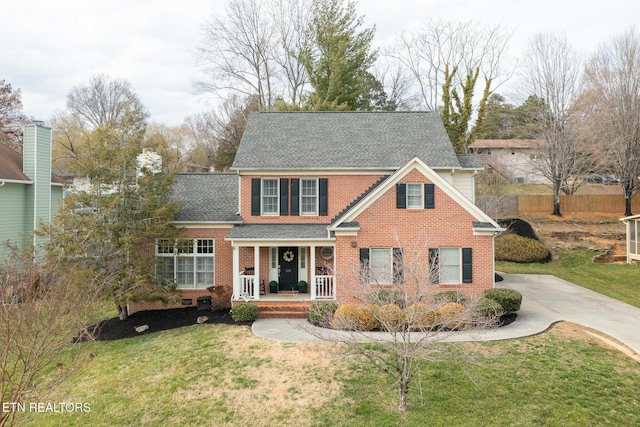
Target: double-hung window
[270,196]
[308,196]
[450,265]
[381,264]
[189,263]
[415,193]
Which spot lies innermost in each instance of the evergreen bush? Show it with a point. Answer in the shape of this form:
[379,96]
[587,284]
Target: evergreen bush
[513,248]
[508,299]
[245,312]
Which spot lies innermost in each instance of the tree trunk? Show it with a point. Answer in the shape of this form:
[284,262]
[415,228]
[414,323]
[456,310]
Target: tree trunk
[123,312]
[556,199]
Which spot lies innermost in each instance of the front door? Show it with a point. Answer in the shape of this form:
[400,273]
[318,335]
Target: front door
[288,257]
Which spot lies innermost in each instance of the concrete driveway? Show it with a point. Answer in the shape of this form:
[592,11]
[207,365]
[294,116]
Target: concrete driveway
[547,299]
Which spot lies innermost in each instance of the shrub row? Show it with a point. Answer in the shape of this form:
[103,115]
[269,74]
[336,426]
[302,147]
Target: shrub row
[450,313]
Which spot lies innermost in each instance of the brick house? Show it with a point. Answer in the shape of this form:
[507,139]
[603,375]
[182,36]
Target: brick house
[313,194]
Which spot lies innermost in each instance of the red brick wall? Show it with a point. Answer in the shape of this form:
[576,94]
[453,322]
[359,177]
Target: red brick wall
[223,288]
[416,230]
[342,190]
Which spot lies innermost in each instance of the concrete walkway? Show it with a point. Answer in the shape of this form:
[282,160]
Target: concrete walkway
[545,300]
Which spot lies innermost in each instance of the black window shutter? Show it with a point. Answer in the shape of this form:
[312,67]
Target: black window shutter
[295,199]
[255,196]
[434,265]
[284,196]
[429,196]
[364,255]
[398,263]
[365,270]
[467,265]
[323,203]
[401,196]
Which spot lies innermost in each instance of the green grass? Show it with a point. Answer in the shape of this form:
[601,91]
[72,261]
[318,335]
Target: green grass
[619,281]
[221,375]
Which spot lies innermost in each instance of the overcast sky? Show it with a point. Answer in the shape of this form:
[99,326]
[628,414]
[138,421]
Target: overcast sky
[48,47]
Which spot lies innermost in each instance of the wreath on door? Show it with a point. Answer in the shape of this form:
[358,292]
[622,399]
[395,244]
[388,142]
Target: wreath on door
[288,256]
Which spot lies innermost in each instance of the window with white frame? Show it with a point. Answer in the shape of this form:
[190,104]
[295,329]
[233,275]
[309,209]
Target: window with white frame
[415,193]
[381,265]
[270,196]
[633,237]
[450,265]
[308,196]
[189,263]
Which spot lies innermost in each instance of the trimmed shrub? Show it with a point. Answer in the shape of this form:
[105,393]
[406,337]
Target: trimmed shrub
[321,313]
[421,317]
[508,299]
[449,296]
[392,318]
[514,248]
[245,312]
[358,317]
[449,316]
[487,308]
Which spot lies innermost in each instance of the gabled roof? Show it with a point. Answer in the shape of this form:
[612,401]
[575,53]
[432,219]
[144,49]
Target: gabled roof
[11,165]
[343,140]
[482,224]
[210,197]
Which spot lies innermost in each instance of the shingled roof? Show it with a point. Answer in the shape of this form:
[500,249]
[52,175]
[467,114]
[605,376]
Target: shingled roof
[11,165]
[337,140]
[210,197]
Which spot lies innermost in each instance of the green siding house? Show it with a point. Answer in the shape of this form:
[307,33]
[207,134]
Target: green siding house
[29,192]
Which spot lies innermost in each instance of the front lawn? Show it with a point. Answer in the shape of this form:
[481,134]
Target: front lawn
[223,375]
[619,281]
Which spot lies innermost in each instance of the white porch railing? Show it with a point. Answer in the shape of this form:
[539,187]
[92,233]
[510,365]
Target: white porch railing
[247,285]
[325,287]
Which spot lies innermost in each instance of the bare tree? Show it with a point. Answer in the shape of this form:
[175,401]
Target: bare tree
[291,20]
[12,119]
[40,314]
[551,72]
[466,46]
[402,301]
[613,82]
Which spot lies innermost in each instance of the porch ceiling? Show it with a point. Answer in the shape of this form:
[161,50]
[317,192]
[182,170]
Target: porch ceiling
[279,232]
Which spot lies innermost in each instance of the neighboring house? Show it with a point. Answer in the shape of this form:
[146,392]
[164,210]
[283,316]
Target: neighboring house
[632,224]
[314,195]
[29,192]
[513,158]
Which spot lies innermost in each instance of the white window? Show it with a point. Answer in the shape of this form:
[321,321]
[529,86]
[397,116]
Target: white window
[308,196]
[326,252]
[270,196]
[633,237]
[415,193]
[381,265]
[450,265]
[190,263]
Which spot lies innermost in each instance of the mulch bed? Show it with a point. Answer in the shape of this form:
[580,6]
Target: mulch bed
[156,320]
[161,320]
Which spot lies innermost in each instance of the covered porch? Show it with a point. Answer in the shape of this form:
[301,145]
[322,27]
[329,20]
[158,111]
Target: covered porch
[278,262]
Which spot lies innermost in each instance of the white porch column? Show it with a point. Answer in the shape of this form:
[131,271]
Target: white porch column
[256,266]
[312,266]
[236,271]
